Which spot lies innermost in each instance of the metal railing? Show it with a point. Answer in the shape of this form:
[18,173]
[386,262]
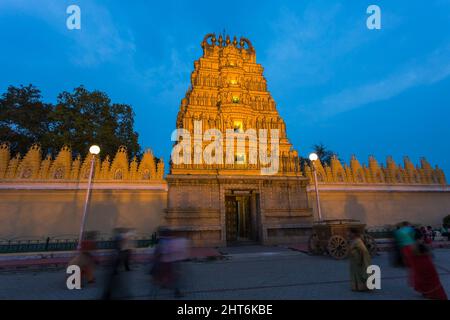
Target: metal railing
[381,234]
[54,244]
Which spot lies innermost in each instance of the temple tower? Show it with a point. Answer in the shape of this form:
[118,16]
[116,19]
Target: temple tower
[221,193]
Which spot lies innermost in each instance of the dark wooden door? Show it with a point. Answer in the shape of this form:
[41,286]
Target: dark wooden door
[231,217]
[244,218]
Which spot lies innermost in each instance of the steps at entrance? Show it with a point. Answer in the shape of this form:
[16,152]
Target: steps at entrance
[252,249]
[243,243]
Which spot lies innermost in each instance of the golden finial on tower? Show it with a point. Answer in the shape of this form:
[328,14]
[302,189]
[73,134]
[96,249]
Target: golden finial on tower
[235,41]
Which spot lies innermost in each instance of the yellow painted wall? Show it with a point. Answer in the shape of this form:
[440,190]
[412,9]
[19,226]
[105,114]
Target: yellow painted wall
[383,205]
[57,213]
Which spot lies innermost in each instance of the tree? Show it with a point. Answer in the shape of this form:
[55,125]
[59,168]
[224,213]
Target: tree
[24,118]
[79,119]
[83,118]
[322,152]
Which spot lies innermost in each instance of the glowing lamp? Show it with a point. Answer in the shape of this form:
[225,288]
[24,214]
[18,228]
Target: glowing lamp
[94,149]
[313,157]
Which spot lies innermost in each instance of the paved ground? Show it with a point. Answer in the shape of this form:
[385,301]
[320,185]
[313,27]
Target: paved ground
[35,260]
[256,273]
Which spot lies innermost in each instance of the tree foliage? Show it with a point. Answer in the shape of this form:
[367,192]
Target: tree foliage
[79,119]
[324,154]
[24,118]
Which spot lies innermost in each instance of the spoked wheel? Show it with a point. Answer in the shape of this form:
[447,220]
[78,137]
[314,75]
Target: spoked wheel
[337,247]
[371,244]
[314,245]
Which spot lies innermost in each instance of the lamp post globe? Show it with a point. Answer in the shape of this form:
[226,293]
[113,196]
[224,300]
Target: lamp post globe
[313,156]
[94,149]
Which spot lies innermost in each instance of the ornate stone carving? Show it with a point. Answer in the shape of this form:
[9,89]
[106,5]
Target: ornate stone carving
[28,168]
[119,166]
[391,174]
[64,167]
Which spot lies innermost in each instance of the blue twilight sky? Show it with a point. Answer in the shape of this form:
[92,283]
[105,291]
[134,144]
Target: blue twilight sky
[359,91]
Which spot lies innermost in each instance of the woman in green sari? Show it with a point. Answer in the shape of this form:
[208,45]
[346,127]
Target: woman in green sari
[359,258]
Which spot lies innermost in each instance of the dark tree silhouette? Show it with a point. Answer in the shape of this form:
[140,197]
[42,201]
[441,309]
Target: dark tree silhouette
[322,152]
[79,119]
[24,118]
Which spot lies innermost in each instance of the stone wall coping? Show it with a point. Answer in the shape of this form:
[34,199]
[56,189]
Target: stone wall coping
[362,187]
[110,185]
[234,177]
[162,185]
[196,228]
[288,226]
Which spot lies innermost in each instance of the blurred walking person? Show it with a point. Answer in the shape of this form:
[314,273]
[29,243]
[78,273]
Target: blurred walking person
[405,238]
[124,247]
[431,236]
[84,259]
[426,236]
[167,269]
[426,278]
[121,255]
[396,254]
[359,261]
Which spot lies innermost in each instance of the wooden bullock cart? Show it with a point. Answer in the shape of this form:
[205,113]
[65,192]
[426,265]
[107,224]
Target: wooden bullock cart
[331,236]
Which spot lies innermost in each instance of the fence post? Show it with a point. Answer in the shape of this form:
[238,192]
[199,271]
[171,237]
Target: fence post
[46,243]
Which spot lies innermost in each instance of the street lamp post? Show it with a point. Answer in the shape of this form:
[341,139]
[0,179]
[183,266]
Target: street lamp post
[313,157]
[94,150]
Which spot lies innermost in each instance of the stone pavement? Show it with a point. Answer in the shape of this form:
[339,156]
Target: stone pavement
[61,258]
[257,273]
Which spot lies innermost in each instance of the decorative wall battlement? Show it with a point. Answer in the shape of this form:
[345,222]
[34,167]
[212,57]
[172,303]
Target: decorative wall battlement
[65,167]
[391,173]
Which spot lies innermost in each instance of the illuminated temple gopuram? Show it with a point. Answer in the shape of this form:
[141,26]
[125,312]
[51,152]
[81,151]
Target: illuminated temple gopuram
[229,201]
[226,202]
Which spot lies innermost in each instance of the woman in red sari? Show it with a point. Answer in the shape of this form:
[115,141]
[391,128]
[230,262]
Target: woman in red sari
[426,279]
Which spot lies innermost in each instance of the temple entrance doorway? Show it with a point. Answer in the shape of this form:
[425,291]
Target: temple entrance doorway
[241,218]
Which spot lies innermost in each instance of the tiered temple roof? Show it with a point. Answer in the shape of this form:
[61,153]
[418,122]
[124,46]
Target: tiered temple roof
[64,167]
[228,90]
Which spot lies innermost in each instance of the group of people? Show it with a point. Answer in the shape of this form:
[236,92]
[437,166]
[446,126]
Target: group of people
[122,245]
[166,269]
[412,248]
[413,251]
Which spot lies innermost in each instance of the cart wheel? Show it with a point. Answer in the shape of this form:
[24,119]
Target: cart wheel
[371,244]
[313,245]
[337,247]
